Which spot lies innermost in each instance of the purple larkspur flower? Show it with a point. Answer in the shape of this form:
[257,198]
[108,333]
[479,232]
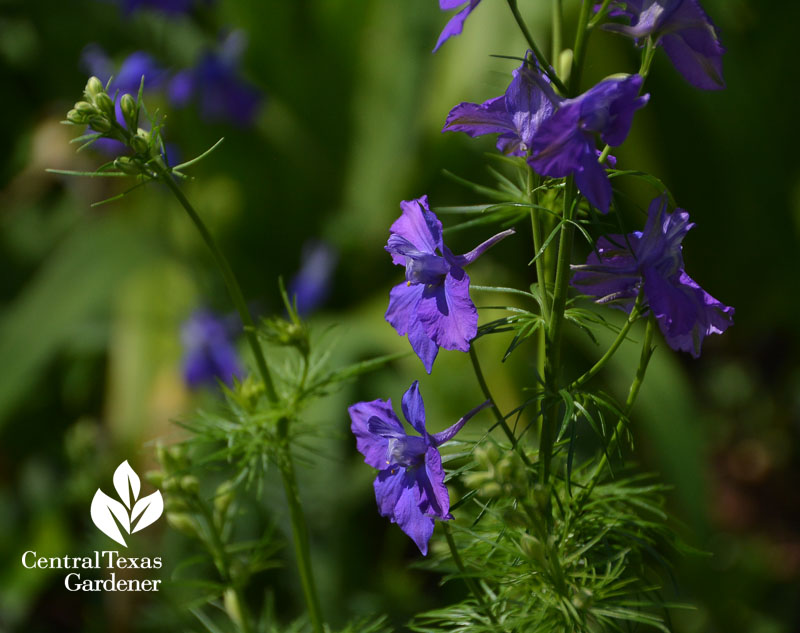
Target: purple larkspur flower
[209,355]
[311,286]
[432,306]
[215,82]
[516,115]
[565,141]
[685,31]
[456,24]
[651,261]
[409,488]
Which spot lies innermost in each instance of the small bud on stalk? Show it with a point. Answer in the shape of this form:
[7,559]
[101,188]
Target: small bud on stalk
[94,87]
[130,111]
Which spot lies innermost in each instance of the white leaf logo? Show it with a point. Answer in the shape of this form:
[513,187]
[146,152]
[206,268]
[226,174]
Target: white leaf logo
[109,514]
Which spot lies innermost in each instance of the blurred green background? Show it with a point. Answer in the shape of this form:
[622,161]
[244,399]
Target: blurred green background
[93,298]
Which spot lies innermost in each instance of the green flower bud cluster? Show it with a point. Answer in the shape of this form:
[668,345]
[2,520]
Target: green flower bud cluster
[97,110]
[497,474]
[286,333]
[180,490]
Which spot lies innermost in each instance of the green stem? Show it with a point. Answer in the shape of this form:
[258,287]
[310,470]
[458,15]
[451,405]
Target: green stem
[601,13]
[220,557]
[286,465]
[501,420]
[558,27]
[614,346]
[470,582]
[299,530]
[554,330]
[546,67]
[231,283]
[536,228]
[579,51]
[633,392]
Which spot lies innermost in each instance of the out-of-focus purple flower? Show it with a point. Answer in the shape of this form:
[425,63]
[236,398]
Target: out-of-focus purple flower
[129,74]
[432,306]
[687,34]
[456,23]
[410,486]
[565,142]
[311,285]
[215,83]
[652,260]
[170,7]
[516,116]
[208,354]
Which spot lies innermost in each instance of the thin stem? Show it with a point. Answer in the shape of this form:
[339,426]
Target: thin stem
[286,465]
[558,27]
[231,283]
[554,330]
[470,582]
[536,228]
[299,533]
[623,333]
[579,51]
[221,562]
[546,67]
[601,13]
[501,420]
[633,392]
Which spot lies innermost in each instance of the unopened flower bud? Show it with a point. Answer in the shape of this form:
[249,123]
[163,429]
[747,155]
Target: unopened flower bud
[189,484]
[140,145]
[106,105]
[130,111]
[232,606]
[85,107]
[182,522]
[155,477]
[127,166]
[100,123]
[77,117]
[223,499]
[94,87]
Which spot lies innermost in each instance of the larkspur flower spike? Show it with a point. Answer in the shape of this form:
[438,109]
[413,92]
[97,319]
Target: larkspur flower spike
[432,306]
[409,488]
[652,261]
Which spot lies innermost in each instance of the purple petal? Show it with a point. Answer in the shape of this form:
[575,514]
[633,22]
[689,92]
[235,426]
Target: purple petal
[419,225]
[529,101]
[477,119]
[402,316]
[660,243]
[414,408]
[447,312]
[685,312]
[437,439]
[475,253]
[592,182]
[422,344]
[691,42]
[435,491]
[389,485]
[456,23]
[611,272]
[372,446]
[402,311]
[397,493]
[557,149]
